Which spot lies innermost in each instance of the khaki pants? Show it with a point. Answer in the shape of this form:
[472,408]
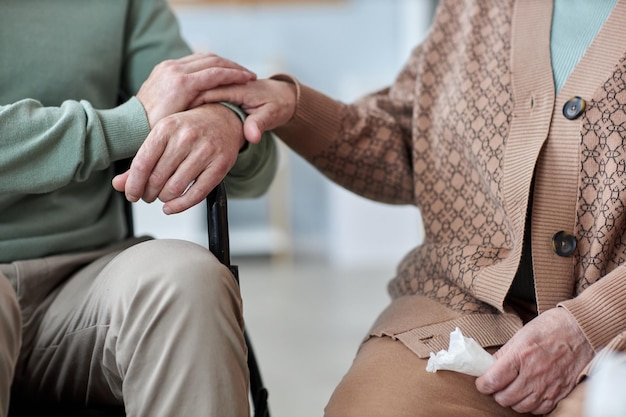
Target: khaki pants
[388,380]
[156,326]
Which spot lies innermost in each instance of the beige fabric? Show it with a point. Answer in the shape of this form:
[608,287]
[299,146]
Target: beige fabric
[138,326]
[10,323]
[573,405]
[385,369]
[468,123]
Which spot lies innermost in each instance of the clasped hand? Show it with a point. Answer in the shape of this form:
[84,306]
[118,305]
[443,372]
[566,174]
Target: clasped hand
[183,158]
[190,148]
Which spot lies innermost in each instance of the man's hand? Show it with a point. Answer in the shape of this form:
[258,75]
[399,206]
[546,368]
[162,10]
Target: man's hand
[174,84]
[539,365]
[269,104]
[183,158]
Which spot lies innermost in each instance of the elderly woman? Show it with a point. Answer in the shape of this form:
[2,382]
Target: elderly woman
[506,127]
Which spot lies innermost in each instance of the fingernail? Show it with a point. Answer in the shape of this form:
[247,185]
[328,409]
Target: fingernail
[167,210]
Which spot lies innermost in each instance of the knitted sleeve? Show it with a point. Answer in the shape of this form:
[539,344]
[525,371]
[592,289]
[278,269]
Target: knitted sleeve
[63,124]
[600,309]
[364,146]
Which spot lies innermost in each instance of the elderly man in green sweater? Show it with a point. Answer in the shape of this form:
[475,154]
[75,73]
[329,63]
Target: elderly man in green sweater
[87,314]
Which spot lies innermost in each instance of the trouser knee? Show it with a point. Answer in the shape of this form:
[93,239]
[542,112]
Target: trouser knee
[10,339]
[175,300]
[176,274]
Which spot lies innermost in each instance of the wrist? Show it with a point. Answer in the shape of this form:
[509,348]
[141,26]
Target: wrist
[292,89]
[235,117]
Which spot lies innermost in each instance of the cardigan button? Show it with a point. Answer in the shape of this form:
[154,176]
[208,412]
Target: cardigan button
[574,107]
[563,244]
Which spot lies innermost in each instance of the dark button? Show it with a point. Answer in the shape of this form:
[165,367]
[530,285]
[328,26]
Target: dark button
[574,107]
[563,244]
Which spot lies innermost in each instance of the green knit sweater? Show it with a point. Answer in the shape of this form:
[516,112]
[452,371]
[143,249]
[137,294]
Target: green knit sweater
[63,64]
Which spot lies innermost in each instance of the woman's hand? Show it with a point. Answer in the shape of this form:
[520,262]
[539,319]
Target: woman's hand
[174,84]
[269,104]
[539,365]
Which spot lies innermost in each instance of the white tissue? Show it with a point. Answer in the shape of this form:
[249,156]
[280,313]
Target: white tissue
[463,355]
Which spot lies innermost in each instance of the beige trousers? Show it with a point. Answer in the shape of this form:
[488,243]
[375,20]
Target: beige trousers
[388,380]
[156,326]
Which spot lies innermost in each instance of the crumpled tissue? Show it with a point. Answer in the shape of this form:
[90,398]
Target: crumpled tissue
[464,355]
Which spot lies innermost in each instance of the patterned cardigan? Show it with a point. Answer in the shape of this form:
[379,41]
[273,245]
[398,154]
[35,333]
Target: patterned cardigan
[468,128]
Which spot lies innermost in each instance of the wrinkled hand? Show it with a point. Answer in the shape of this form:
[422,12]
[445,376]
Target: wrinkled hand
[174,84]
[269,104]
[539,365]
[183,158]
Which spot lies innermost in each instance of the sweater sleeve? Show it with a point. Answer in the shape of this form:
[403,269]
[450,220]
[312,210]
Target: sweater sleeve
[255,169]
[54,131]
[45,148]
[365,146]
[51,142]
[600,309]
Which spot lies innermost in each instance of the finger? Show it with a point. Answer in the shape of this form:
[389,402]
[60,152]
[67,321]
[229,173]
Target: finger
[210,78]
[544,408]
[502,373]
[119,181]
[192,57]
[251,130]
[179,141]
[195,194]
[542,398]
[534,405]
[517,393]
[199,61]
[142,166]
[232,94]
[164,170]
[181,179]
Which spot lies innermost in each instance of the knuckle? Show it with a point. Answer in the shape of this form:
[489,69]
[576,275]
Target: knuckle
[213,72]
[166,66]
[521,409]
[160,66]
[195,195]
[500,399]
[166,125]
[140,166]
[533,400]
[157,179]
[180,81]
[545,408]
[187,137]
[178,186]
[222,165]
[485,384]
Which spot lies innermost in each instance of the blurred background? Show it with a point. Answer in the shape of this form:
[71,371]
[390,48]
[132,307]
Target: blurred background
[314,259]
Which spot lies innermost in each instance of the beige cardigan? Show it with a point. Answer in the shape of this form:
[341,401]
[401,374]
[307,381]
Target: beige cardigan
[460,133]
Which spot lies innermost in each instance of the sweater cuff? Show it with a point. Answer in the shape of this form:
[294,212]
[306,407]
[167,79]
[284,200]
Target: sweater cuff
[316,120]
[125,128]
[600,310]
